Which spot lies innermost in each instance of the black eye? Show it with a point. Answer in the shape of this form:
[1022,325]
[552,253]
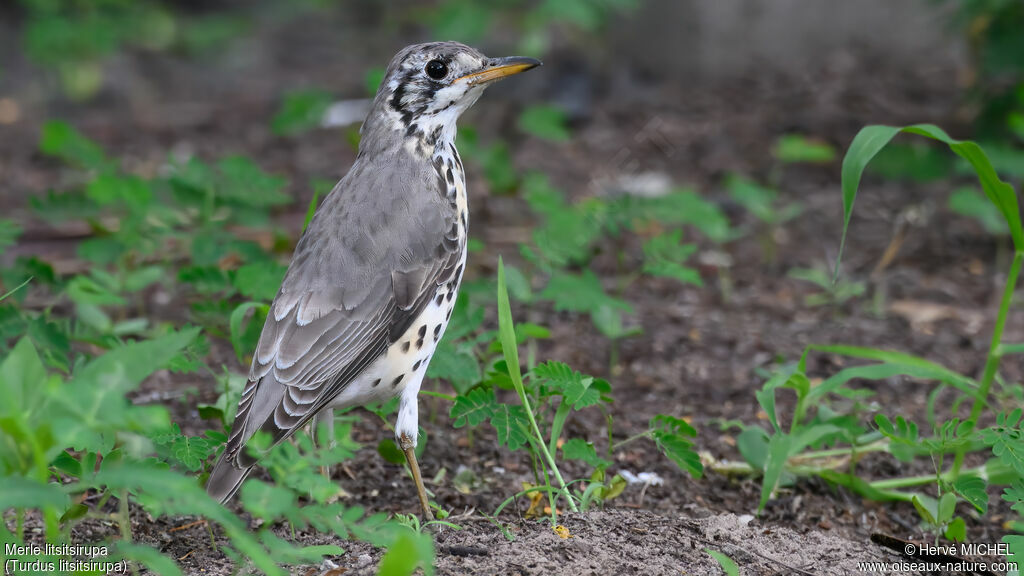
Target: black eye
[436,69]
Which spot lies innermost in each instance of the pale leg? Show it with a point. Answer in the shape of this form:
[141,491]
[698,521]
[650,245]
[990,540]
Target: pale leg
[409,447]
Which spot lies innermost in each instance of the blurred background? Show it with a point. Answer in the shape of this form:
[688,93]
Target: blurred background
[665,190]
[725,78]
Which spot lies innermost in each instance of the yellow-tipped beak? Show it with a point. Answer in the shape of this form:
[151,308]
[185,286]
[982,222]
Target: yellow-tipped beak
[498,68]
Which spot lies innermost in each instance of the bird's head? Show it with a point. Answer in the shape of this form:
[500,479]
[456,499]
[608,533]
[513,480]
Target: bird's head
[428,86]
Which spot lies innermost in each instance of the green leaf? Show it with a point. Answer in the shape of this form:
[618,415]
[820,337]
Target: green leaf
[899,363]
[244,182]
[580,449]
[947,506]
[570,383]
[242,340]
[546,122]
[664,256]
[580,293]
[93,409]
[752,443]
[967,201]
[793,148]
[266,501]
[407,552]
[972,489]
[9,232]
[463,21]
[132,192]
[957,530]
[871,139]
[680,451]
[23,493]
[301,110]
[320,188]
[259,280]
[917,161]
[61,140]
[507,333]
[20,376]
[780,447]
[390,451]
[192,451]
[860,486]
[373,78]
[757,199]
[672,436]
[927,508]
[473,408]
[608,322]
[511,424]
[498,167]
[148,556]
[682,206]
[161,491]
[1016,544]
[1014,494]
[458,366]
[568,231]
[728,565]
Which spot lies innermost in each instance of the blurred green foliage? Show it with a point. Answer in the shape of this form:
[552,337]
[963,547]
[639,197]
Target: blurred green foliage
[995,34]
[74,37]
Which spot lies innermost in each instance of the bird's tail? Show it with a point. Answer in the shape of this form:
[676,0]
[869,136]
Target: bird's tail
[225,480]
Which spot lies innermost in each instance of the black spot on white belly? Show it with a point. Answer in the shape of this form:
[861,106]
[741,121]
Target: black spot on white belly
[437,332]
[376,382]
[395,382]
[405,346]
[416,366]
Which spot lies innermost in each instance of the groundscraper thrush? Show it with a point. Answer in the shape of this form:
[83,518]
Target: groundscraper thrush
[371,286]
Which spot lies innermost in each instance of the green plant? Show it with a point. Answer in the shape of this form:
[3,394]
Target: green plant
[301,110]
[548,394]
[827,413]
[546,122]
[73,39]
[727,564]
[797,148]
[74,449]
[834,292]
[762,202]
[993,32]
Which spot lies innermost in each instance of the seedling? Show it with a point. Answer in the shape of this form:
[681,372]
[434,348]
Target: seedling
[786,453]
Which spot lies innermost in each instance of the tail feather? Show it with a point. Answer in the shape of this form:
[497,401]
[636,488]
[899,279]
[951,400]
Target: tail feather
[225,480]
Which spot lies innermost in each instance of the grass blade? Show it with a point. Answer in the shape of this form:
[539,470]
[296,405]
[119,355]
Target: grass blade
[507,336]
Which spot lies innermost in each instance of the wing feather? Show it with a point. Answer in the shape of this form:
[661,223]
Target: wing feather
[361,274]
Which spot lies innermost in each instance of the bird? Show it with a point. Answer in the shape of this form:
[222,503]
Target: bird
[374,277]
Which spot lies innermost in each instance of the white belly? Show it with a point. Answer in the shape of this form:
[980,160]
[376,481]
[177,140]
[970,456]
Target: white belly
[404,363]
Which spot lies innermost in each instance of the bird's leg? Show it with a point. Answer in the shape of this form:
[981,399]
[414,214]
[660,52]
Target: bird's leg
[409,447]
[325,416]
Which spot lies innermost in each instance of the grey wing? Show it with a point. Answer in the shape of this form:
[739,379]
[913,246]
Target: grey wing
[344,300]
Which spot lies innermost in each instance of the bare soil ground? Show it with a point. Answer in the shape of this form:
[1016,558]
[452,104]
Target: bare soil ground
[699,351]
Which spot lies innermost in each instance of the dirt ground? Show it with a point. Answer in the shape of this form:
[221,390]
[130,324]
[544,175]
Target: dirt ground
[699,352]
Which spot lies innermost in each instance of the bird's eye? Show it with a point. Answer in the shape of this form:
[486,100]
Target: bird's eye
[436,69]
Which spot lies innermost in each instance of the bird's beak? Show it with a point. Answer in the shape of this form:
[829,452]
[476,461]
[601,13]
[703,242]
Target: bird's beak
[498,68]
